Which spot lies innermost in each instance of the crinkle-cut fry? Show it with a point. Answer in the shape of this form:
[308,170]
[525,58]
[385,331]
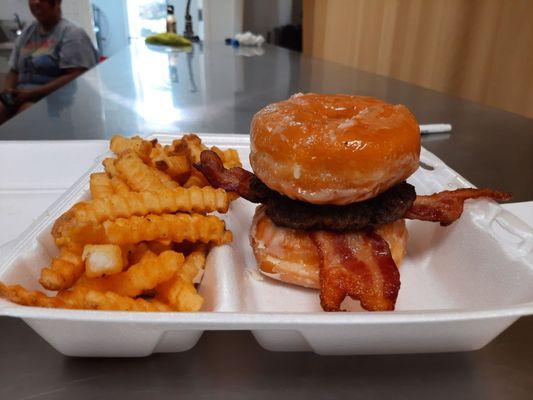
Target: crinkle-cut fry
[198,200]
[80,224]
[179,292]
[196,179]
[110,167]
[139,251]
[169,149]
[131,255]
[177,167]
[174,227]
[230,157]
[64,270]
[127,250]
[190,145]
[79,298]
[61,224]
[100,185]
[145,275]
[119,186]
[19,295]
[103,285]
[194,263]
[166,180]
[102,259]
[67,231]
[114,302]
[139,176]
[85,298]
[141,147]
[176,148]
[194,145]
[159,246]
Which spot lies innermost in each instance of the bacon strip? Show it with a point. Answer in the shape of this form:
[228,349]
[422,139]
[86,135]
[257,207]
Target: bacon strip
[359,265]
[236,179]
[444,207]
[447,206]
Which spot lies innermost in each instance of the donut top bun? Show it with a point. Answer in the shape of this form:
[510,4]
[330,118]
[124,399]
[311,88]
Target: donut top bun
[333,149]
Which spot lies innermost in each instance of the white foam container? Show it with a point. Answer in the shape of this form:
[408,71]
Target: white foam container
[461,286]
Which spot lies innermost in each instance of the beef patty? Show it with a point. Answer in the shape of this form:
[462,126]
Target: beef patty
[382,209]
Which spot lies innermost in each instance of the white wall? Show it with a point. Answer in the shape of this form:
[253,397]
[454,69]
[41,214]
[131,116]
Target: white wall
[8,7]
[114,25]
[262,16]
[222,19]
[80,12]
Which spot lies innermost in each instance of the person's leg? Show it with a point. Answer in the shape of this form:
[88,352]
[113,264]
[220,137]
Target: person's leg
[24,106]
[4,114]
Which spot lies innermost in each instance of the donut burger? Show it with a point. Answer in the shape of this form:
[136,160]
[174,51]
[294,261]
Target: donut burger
[330,174]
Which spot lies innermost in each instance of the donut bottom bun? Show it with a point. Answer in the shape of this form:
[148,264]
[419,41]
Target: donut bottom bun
[291,256]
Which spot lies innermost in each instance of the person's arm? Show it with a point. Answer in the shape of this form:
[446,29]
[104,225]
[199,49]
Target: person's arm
[32,95]
[11,81]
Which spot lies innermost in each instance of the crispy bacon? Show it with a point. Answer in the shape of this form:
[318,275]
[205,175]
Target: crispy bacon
[444,207]
[447,206]
[236,179]
[359,265]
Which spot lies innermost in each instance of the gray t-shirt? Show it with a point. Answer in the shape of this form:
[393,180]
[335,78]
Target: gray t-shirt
[40,57]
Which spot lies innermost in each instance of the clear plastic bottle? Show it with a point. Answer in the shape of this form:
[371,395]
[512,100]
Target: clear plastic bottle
[171,20]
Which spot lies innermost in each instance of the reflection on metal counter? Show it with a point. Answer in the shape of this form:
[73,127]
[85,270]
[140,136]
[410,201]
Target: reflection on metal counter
[132,93]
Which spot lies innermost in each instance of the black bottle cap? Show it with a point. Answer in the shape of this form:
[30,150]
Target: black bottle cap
[170,10]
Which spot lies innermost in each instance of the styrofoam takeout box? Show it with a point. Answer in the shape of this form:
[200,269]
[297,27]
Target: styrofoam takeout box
[461,286]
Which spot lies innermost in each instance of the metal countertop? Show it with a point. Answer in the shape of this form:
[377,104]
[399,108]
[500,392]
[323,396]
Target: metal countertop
[216,88]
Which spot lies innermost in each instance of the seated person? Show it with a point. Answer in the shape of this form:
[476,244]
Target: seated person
[50,53]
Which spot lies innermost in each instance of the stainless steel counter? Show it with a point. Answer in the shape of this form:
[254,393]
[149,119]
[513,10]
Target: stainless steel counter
[216,89]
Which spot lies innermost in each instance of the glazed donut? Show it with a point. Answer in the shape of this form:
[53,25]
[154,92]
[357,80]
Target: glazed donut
[291,256]
[333,149]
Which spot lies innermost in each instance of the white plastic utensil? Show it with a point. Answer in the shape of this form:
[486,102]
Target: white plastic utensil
[435,128]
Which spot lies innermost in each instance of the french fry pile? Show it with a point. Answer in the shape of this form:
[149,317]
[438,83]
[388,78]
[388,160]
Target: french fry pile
[141,242]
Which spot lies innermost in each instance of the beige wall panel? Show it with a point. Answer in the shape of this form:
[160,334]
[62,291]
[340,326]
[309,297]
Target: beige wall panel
[481,50]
